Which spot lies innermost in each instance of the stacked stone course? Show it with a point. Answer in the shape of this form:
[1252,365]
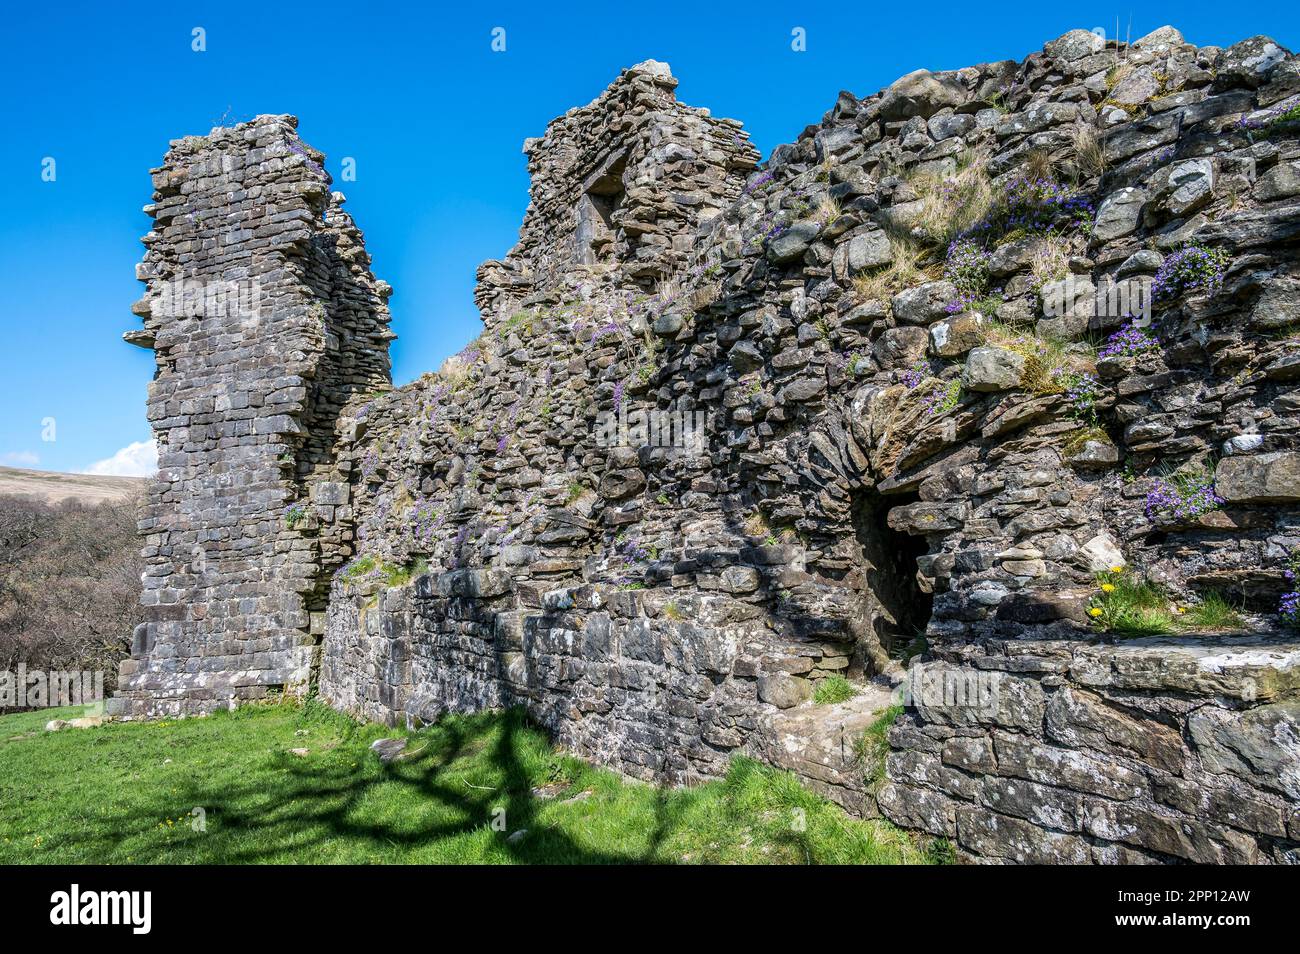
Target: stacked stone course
[883,458]
[242,407]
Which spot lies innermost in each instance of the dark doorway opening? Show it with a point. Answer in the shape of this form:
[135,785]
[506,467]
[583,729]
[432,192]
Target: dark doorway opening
[894,606]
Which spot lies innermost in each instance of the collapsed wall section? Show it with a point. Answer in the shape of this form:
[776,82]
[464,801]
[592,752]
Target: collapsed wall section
[619,188]
[892,332]
[726,438]
[264,319]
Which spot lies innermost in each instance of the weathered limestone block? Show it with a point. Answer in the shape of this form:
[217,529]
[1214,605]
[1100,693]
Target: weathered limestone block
[1249,63]
[1002,838]
[1080,719]
[1119,214]
[922,769]
[1043,805]
[1280,182]
[1248,668]
[969,754]
[900,347]
[1019,758]
[782,690]
[920,808]
[921,93]
[958,696]
[793,242]
[1259,478]
[1092,453]
[1278,306]
[1190,186]
[864,252]
[924,303]
[955,336]
[1261,745]
[1168,833]
[1233,804]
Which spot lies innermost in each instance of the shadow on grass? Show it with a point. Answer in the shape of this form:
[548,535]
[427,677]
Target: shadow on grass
[462,792]
[389,812]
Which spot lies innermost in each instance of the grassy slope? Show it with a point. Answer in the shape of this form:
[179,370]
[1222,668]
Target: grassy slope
[124,792]
[53,487]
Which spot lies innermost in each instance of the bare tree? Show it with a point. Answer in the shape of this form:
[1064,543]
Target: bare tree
[69,584]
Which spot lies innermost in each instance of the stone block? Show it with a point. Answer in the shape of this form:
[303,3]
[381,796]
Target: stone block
[993,369]
[1259,478]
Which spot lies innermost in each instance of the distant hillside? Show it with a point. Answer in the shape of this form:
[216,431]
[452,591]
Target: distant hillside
[52,487]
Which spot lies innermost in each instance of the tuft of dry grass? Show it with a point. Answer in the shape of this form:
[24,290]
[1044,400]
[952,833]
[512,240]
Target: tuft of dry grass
[952,204]
[756,525]
[828,210]
[668,290]
[1089,152]
[1038,164]
[908,268]
[1115,75]
[1046,359]
[1049,262]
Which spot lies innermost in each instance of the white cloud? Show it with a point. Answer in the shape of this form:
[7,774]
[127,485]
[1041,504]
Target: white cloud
[22,458]
[137,459]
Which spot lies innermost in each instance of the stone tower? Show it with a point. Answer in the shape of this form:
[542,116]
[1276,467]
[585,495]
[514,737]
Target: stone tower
[264,318]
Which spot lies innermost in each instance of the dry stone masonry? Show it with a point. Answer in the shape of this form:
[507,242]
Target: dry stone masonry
[264,319]
[983,395]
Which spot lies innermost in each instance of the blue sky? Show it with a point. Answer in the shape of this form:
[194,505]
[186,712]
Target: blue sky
[434,120]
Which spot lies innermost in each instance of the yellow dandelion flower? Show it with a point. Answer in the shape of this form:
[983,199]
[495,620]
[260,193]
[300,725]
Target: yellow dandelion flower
[1108,587]
[1182,609]
[1094,612]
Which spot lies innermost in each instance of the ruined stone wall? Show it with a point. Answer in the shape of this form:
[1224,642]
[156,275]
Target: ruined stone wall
[619,187]
[910,392]
[264,318]
[1144,751]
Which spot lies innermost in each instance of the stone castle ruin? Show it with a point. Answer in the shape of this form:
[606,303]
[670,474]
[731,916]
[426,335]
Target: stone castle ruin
[894,408]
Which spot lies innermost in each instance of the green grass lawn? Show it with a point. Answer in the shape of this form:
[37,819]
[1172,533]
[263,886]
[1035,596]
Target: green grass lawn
[124,793]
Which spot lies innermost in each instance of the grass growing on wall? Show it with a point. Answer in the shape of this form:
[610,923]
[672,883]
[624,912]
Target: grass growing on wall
[873,745]
[125,793]
[833,689]
[1128,606]
[1213,612]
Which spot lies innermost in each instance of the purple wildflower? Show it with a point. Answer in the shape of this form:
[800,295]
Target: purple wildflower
[942,397]
[1193,268]
[1127,342]
[1082,391]
[914,375]
[760,181]
[1037,204]
[1182,499]
[603,331]
[369,463]
[967,266]
[1289,608]
[960,303]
